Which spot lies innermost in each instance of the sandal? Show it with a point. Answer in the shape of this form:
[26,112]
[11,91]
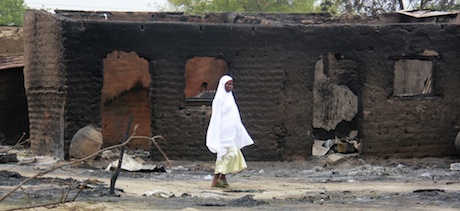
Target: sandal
[220,184]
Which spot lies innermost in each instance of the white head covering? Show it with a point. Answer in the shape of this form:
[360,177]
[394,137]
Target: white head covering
[225,115]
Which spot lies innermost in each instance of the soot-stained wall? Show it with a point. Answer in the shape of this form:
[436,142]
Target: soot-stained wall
[273,68]
[45,82]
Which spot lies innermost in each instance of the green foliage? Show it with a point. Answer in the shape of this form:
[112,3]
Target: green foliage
[12,12]
[247,6]
[439,5]
[374,7]
[356,7]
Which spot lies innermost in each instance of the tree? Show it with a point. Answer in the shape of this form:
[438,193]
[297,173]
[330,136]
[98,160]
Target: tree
[248,6]
[439,5]
[374,7]
[12,12]
[357,7]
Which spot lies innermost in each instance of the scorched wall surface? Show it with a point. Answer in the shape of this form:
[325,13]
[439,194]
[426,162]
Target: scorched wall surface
[273,69]
[44,82]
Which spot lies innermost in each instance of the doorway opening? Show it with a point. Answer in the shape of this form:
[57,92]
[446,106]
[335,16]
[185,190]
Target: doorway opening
[125,93]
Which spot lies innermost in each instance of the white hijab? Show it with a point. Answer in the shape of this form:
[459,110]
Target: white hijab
[224,99]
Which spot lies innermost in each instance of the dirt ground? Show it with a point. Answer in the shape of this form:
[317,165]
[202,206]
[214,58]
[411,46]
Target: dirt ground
[354,183]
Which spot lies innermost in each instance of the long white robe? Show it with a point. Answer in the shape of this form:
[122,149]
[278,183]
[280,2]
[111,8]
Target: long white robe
[225,127]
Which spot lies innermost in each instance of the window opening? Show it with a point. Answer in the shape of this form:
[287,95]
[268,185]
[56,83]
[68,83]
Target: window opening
[202,75]
[413,77]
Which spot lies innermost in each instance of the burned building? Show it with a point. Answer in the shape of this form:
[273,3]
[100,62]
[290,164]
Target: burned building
[13,105]
[298,77]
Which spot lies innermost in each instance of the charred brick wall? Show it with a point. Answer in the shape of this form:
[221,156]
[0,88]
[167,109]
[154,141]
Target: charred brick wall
[11,40]
[45,82]
[273,68]
[271,81]
[410,126]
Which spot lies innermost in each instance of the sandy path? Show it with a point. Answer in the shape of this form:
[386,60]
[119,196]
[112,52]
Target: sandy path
[260,186]
[285,192]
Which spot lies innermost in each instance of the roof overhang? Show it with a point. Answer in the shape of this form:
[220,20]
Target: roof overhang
[9,62]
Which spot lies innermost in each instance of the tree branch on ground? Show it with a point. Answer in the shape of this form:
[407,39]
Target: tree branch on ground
[20,142]
[64,199]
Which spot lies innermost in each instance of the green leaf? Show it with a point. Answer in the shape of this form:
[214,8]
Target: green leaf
[12,12]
